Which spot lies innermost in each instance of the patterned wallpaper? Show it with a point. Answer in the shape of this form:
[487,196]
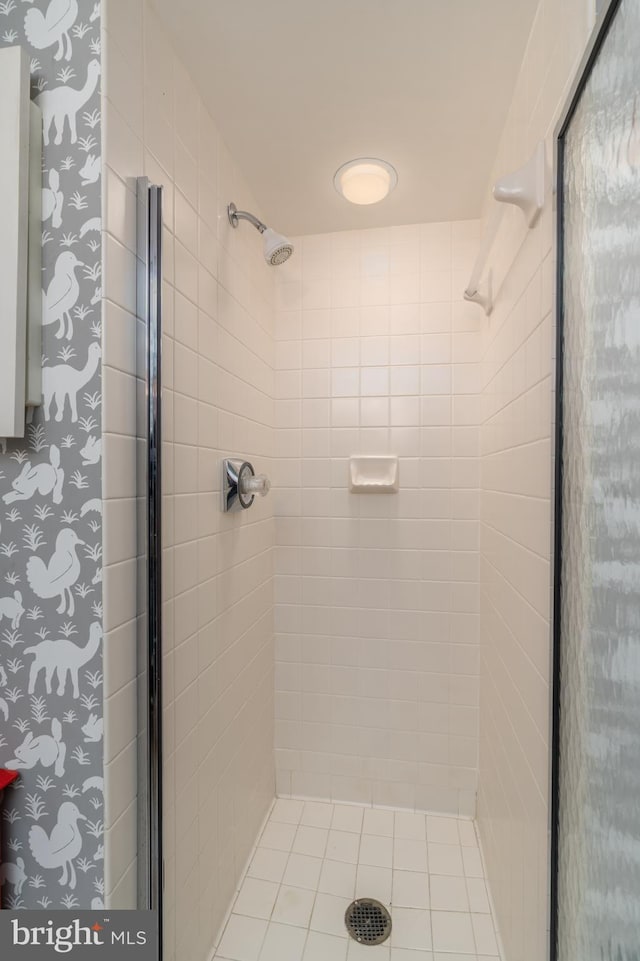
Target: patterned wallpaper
[50,497]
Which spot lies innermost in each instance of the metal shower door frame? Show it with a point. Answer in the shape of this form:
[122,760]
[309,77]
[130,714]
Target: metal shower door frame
[149,500]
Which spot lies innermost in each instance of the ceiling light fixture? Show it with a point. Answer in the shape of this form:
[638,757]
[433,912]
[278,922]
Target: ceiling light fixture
[365,180]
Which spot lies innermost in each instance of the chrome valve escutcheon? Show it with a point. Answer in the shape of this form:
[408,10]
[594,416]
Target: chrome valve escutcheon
[241,485]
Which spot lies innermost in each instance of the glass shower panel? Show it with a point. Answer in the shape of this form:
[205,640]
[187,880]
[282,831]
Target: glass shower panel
[599,733]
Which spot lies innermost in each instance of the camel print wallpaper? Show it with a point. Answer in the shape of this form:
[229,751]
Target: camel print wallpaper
[50,496]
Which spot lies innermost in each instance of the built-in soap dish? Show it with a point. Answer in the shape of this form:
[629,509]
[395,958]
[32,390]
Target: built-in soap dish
[374,475]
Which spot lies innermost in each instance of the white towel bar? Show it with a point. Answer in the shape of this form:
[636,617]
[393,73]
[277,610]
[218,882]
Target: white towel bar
[524,188]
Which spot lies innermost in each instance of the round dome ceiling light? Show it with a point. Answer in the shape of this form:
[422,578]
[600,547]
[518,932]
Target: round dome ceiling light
[365,180]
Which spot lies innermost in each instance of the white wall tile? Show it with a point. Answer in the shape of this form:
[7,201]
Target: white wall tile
[374,371]
[515,402]
[218,390]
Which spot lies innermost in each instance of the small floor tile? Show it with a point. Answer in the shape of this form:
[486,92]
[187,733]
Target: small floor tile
[472,863]
[343,846]
[347,817]
[410,826]
[293,906]
[283,942]
[338,878]
[452,931]
[317,814]
[448,893]
[378,822]
[411,929]
[278,837]
[441,830]
[409,855]
[286,811]
[303,872]
[268,865]
[368,952]
[256,898]
[374,882]
[445,859]
[404,954]
[410,890]
[324,947]
[484,932]
[242,939]
[467,833]
[376,851]
[447,956]
[310,841]
[478,900]
[328,915]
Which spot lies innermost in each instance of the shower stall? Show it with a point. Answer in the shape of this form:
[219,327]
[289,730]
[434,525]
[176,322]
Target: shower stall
[345,685]
[370,671]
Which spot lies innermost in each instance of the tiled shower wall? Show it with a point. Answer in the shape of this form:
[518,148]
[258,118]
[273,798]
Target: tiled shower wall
[217,401]
[377,596]
[518,351]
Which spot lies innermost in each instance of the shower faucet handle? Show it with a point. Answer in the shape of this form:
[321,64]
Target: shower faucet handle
[241,485]
[255,484]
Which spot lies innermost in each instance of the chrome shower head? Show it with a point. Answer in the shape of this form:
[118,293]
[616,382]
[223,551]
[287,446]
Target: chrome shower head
[277,248]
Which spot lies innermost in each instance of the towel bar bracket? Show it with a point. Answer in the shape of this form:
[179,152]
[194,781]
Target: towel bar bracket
[524,188]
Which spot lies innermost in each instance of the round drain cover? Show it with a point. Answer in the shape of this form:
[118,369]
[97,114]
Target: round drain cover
[368,921]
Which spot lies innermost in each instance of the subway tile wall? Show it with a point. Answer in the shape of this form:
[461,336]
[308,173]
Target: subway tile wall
[377,596]
[518,351]
[217,368]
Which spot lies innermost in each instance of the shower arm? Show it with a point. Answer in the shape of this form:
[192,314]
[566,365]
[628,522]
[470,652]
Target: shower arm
[235,216]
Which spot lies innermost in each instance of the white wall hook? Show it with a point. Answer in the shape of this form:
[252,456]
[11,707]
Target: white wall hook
[525,187]
[482,297]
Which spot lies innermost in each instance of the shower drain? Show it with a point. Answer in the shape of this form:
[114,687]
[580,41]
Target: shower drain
[368,921]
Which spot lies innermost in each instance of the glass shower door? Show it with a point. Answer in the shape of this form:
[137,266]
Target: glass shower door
[597,903]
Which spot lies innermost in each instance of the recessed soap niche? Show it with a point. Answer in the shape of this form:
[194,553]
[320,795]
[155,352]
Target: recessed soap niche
[374,475]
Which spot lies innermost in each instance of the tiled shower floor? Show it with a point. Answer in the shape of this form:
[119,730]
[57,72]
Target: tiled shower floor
[313,858]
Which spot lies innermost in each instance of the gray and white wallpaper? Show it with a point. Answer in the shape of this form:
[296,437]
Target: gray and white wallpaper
[51,725]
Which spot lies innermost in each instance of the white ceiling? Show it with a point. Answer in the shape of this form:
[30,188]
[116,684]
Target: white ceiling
[298,87]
